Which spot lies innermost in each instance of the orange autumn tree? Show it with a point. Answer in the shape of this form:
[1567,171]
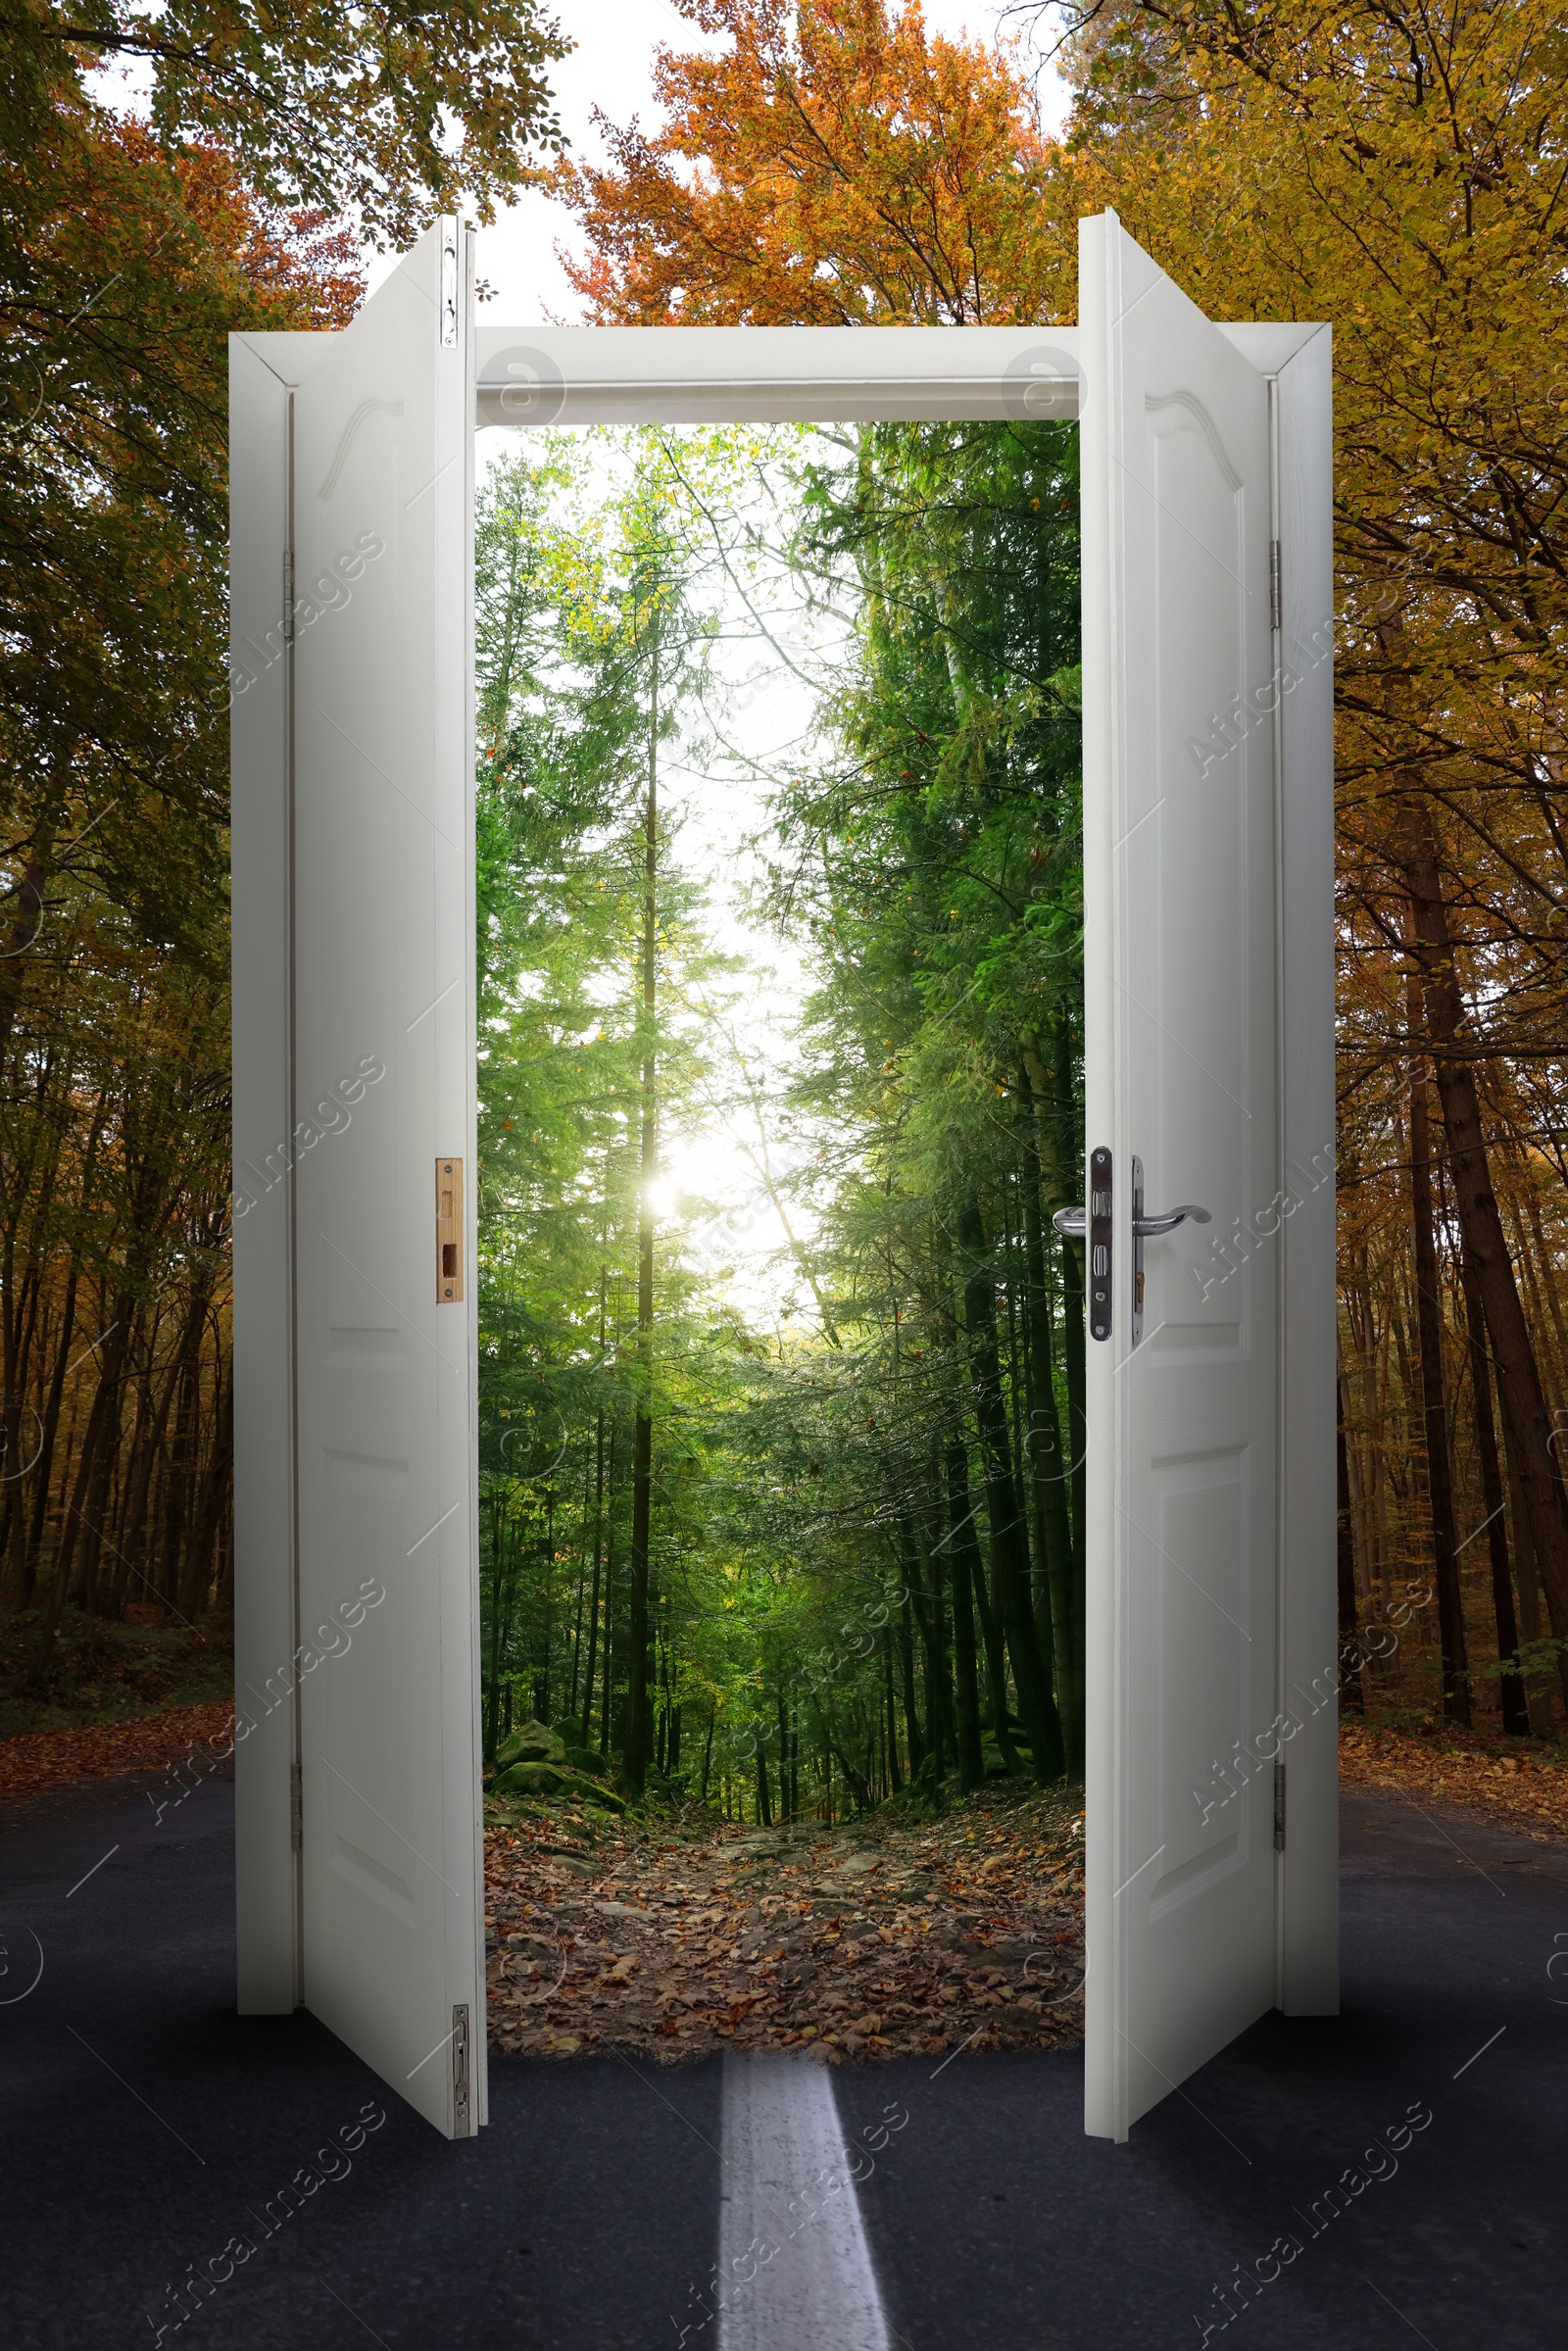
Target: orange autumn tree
[835,165]
[1402,176]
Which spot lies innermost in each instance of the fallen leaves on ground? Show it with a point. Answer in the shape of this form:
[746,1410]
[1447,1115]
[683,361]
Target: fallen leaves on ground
[877,1939]
[149,1743]
[1525,1790]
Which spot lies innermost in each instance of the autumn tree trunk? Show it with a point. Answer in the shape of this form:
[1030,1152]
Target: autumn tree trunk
[1513,1356]
[1428,1324]
[598,1547]
[941,1736]
[1352,1694]
[911,1718]
[895,1772]
[964,1545]
[607,1684]
[1510,1687]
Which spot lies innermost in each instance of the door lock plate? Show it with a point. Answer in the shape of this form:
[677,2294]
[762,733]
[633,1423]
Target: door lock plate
[448,1232]
[1098,1266]
[1138,1250]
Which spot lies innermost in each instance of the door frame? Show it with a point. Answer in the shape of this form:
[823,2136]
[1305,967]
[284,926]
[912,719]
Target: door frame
[534,375]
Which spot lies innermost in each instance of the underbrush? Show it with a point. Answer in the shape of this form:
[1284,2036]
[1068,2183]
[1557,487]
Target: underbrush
[97,1672]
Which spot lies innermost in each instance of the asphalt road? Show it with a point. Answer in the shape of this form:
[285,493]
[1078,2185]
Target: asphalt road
[146,2126]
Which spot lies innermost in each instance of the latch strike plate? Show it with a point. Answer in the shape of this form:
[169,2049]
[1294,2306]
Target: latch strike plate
[448,1232]
[449,283]
[296,1807]
[1279,1807]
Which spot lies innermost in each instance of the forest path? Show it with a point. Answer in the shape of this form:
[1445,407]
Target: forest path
[885,1937]
[142,2125]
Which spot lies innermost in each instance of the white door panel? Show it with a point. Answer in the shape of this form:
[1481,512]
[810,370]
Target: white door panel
[392,1943]
[1180,1073]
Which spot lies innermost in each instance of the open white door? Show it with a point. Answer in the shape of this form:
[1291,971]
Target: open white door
[365,910]
[1182,1104]
[1209,1045]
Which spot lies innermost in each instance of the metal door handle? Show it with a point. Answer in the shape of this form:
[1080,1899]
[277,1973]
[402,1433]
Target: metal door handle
[1168,1222]
[1074,1222]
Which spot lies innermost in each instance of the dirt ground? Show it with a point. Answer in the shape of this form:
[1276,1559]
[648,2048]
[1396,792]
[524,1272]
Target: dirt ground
[876,1938]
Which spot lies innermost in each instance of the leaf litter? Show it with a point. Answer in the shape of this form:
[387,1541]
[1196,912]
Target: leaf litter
[1515,1783]
[678,1935]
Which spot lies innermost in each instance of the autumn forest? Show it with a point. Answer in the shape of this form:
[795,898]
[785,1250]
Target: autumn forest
[780,925]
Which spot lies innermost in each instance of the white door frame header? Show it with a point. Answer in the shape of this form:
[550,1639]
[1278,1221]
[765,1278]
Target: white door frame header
[530,376]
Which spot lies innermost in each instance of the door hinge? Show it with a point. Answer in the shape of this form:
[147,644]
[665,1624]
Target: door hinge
[1274,584]
[296,1806]
[462,2127]
[1279,1807]
[288,596]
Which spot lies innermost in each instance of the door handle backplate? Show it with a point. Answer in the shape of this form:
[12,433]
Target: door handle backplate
[1091,1221]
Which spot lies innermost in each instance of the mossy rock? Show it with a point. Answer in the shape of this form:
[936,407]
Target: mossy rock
[531,1778]
[991,1754]
[530,1743]
[587,1759]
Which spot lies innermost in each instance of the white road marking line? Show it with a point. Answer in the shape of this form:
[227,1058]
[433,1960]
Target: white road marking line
[787,2184]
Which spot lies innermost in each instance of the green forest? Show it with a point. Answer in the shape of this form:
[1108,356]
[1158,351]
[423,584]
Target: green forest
[788,1533]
